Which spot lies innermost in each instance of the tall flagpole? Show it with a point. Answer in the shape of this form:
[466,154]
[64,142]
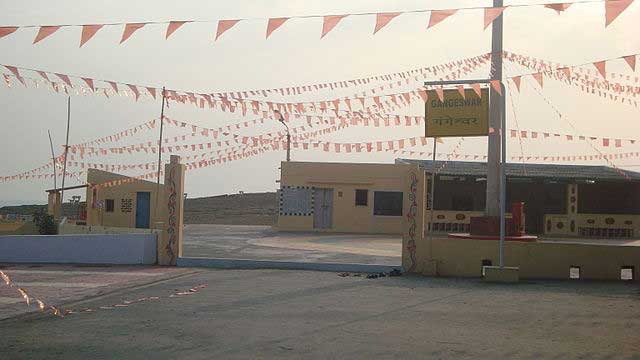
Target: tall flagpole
[495,110]
[53,158]
[159,156]
[66,152]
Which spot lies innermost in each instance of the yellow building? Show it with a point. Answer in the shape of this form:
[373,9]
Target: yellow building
[342,197]
[587,201]
[129,204]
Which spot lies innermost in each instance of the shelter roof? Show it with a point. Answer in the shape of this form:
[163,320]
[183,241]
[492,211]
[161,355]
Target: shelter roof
[544,171]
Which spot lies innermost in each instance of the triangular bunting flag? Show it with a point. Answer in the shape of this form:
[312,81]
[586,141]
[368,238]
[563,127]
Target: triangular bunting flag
[438,15]
[516,81]
[16,73]
[538,77]
[135,91]
[382,19]
[496,85]
[224,25]
[89,83]
[491,14]
[631,60]
[14,70]
[129,29]
[560,7]
[329,22]
[440,93]
[461,90]
[44,32]
[114,86]
[173,26]
[600,65]
[423,95]
[88,31]
[64,78]
[44,75]
[7,30]
[476,89]
[274,23]
[152,91]
[567,72]
[613,8]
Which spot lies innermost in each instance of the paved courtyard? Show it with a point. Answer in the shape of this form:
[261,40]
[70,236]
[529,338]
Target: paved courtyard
[262,243]
[248,314]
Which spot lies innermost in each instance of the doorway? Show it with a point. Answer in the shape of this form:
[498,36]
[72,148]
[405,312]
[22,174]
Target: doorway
[323,208]
[143,206]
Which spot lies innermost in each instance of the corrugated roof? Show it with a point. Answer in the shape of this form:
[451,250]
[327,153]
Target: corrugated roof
[546,171]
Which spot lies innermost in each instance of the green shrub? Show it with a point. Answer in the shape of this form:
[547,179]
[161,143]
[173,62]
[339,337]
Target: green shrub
[45,222]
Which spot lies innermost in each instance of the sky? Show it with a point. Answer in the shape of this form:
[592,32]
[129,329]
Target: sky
[293,55]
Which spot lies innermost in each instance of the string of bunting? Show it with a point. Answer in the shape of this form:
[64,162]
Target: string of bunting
[579,157]
[582,69]
[149,125]
[516,122]
[369,104]
[33,174]
[547,68]
[589,141]
[613,8]
[152,147]
[92,85]
[547,158]
[42,306]
[582,78]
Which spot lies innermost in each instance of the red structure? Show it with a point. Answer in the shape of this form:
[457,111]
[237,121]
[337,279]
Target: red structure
[488,227]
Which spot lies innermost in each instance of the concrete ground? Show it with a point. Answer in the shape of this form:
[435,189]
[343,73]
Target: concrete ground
[248,314]
[58,284]
[262,243]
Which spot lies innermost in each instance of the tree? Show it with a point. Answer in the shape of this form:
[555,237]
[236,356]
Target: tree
[45,223]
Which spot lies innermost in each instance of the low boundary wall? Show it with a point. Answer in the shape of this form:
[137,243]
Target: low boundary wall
[70,229]
[536,260]
[122,249]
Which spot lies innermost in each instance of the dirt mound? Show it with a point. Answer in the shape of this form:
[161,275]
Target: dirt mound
[236,209]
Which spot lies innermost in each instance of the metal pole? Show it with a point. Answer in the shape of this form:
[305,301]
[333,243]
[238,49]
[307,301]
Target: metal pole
[432,198]
[159,157]
[53,158]
[66,151]
[288,145]
[503,177]
[495,109]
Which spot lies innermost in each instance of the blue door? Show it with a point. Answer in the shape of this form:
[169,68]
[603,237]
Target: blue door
[143,206]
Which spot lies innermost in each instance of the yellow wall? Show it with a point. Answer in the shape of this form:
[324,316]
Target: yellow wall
[590,221]
[10,226]
[118,218]
[345,178]
[536,260]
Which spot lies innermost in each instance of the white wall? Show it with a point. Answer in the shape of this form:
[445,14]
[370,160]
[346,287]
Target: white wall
[79,249]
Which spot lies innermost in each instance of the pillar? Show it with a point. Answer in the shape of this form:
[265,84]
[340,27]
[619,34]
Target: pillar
[415,251]
[572,207]
[53,204]
[170,243]
[496,107]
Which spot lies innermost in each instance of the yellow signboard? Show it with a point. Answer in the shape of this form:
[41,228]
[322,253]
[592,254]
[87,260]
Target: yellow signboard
[457,116]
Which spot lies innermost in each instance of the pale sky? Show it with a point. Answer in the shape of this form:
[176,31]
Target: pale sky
[293,55]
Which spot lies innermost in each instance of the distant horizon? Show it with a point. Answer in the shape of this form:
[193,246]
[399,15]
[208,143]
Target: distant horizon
[4,203]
